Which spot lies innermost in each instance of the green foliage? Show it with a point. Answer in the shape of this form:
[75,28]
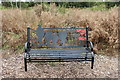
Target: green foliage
[23,5]
[52,64]
[19,47]
[46,7]
[75,4]
[111,4]
[100,7]
[6,4]
[61,10]
[2,7]
[5,46]
[18,4]
[61,4]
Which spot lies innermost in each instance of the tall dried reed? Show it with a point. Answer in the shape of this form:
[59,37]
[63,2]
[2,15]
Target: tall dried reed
[104,24]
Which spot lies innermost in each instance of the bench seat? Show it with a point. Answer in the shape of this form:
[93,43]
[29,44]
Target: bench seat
[63,53]
[79,50]
[56,55]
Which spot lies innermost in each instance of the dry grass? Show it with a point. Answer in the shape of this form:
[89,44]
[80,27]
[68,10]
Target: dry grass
[104,24]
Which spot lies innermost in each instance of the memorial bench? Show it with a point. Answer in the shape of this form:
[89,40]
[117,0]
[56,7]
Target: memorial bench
[58,45]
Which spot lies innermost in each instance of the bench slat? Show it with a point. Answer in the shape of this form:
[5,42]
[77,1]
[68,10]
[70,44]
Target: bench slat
[44,54]
[60,56]
[59,51]
[59,61]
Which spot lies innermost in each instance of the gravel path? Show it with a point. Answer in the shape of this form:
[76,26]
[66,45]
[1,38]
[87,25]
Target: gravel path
[104,67]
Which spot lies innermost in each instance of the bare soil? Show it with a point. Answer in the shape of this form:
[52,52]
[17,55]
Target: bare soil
[13,67]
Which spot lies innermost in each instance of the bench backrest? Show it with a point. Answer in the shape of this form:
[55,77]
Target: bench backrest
[57,37]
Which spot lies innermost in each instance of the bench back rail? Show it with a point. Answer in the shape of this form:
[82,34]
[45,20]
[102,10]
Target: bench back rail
[57,37]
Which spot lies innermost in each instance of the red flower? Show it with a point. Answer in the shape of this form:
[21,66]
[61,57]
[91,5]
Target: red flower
[78,30]
[82,32]
[81,38]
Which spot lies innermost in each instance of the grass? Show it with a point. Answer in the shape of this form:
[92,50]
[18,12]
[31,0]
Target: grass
[102,22]
[2,7]
[62,10]
[52,64]
[97,8]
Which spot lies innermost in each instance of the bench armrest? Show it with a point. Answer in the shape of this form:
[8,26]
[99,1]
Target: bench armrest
[27,46]
[91,45]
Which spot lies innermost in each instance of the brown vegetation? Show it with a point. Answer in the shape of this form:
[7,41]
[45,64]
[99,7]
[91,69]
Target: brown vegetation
[104,24]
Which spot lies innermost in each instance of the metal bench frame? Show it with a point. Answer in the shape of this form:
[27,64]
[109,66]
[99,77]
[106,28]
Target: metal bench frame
[29,58]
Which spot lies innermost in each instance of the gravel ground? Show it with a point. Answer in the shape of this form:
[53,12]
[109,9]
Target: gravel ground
[104,67]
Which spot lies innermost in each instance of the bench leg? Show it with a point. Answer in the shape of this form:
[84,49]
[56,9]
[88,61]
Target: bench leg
[29,58]
[86,58]
[92,63]
[25,62]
